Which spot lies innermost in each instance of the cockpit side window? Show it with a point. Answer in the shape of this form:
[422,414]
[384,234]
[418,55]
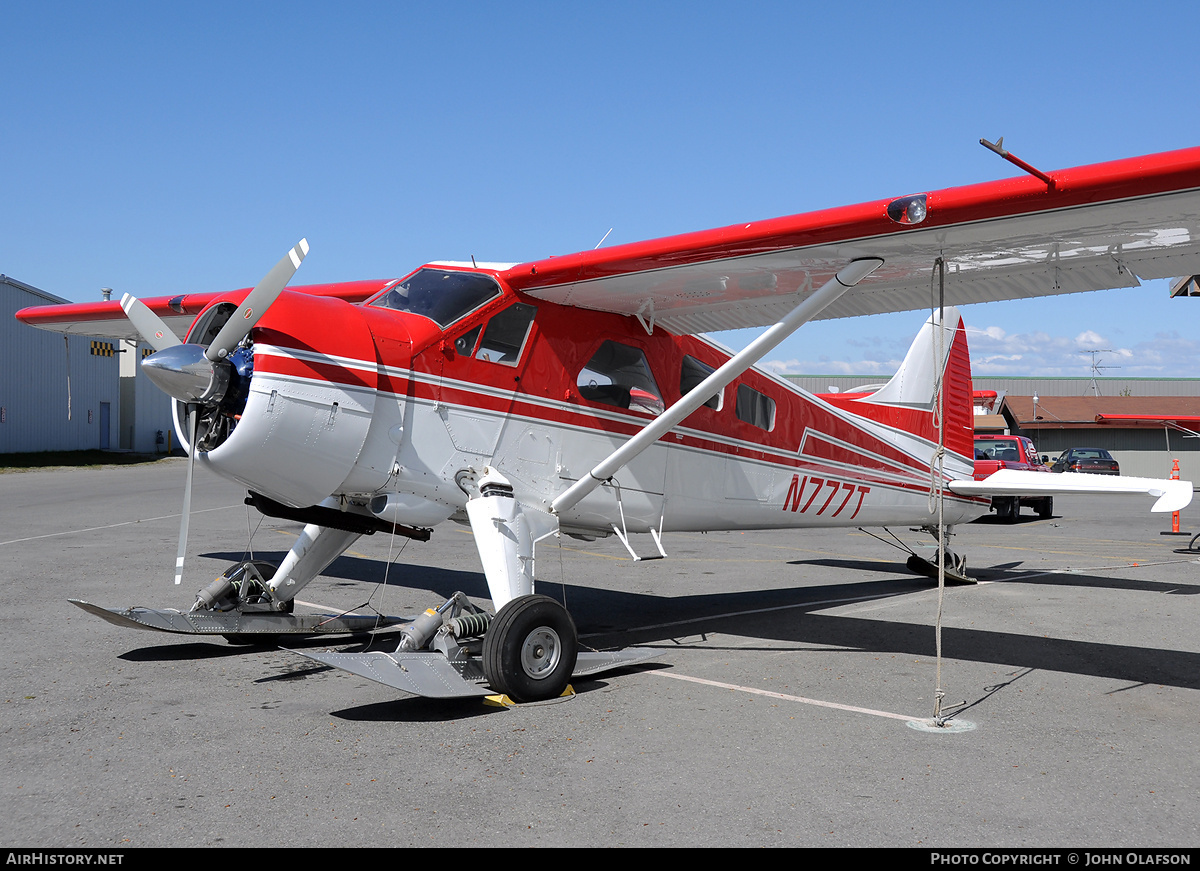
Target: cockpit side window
[465,343]
[505,334]
[619,375]
[442,295]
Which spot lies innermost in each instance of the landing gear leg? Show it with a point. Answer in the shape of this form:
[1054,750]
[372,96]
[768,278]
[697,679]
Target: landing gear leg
[528,651]
[316,547]
[243,587]
[956,565]
[258,587]
[530,648]
[253,602]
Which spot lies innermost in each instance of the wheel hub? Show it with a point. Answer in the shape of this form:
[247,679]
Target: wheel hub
[540,652]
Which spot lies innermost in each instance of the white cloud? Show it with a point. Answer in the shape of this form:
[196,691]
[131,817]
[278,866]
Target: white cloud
[995,351]
[1088,339]
[825,366]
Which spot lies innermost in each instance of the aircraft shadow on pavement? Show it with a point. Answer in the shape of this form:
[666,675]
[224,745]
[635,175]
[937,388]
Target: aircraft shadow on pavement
[1014,573]
[610,618]
[793,616]
[996,520]
[1071,579]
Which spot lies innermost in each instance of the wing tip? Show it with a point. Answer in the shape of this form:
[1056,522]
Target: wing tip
[1176,496]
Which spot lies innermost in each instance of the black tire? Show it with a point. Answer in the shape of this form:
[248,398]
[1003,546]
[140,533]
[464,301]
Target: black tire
[1008,509]
[530,648]
[1046,508]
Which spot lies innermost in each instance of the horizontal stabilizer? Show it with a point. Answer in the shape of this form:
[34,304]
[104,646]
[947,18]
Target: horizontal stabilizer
[1171,495]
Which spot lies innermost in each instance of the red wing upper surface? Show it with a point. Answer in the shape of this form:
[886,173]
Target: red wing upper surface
[1101,226]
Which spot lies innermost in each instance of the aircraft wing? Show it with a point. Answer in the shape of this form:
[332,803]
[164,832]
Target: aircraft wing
[1171,495]
[1096,227]
[107,319]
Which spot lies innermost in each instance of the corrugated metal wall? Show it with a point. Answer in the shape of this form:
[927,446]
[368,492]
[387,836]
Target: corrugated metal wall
[33,383]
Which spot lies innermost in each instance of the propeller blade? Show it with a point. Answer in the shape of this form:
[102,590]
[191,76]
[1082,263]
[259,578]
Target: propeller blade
[151,327]
[187,498]
[256,303]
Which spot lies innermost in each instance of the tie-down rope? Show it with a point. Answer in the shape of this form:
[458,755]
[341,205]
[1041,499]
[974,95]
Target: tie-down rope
[938,466]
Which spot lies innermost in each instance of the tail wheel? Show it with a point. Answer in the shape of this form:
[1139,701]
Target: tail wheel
[530,648]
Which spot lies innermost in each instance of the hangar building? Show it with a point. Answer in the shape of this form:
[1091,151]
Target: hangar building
[72,393]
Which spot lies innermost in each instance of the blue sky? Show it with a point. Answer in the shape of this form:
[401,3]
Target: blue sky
[162,148]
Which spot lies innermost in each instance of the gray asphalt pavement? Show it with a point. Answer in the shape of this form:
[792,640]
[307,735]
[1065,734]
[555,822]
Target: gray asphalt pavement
[778,712]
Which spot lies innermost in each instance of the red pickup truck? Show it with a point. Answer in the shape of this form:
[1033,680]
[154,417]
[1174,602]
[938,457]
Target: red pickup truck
[995,452]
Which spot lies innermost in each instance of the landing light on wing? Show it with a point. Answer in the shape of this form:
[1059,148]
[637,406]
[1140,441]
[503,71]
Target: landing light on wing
[908,210]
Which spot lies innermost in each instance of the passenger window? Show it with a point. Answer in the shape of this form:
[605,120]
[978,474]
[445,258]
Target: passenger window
[691,373]
[619,375]
[505,334]
[756,408]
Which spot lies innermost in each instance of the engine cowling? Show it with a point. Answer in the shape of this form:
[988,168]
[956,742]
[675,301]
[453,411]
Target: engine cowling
[307,406]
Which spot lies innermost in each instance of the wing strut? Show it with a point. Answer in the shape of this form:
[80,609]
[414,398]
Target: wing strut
[810,307]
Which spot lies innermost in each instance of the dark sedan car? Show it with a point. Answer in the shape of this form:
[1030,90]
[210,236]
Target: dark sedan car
[1095,461]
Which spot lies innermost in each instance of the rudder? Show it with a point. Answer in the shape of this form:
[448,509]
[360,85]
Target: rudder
[908,399]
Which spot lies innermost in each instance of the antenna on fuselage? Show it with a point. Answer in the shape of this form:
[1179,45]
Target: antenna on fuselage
[602,238]
[473,266]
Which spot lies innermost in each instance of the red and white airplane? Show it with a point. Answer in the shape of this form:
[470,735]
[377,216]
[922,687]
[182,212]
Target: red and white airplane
[577,395]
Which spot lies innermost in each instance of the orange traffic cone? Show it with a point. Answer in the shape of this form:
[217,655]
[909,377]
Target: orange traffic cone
[1175,514]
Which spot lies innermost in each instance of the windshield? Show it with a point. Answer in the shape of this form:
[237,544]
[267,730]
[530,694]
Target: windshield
[441,295]
[997,449]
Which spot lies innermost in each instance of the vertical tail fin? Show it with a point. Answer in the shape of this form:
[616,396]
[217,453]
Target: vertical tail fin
[909,399]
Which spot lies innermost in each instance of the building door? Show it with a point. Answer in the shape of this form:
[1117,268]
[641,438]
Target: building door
[104,413]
